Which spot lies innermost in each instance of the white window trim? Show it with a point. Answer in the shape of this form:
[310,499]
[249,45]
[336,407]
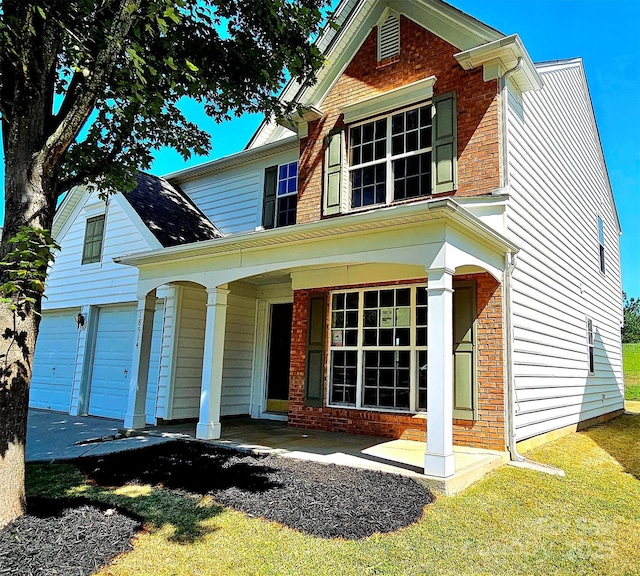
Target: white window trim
[389,158]
[360,348]
[402,97]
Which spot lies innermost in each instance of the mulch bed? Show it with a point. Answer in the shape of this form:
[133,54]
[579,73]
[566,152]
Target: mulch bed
[75,537]
[320,499]
[69,537]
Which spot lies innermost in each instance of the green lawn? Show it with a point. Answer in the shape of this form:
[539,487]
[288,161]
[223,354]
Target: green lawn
[513,522]
[631,363]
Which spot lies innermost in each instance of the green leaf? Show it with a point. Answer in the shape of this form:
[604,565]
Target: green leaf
[172,14]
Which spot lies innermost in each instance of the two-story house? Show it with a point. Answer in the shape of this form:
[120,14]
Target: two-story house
[428,249]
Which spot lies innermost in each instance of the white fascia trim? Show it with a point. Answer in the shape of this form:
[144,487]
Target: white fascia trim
[344,14]
[505,53]
[236,159]
[392,216]
[299,118]
[391,100]
[553,65]
[62,217]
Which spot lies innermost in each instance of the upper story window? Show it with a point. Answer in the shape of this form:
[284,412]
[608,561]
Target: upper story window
[601,243]
[93,237]
[390,158]
[391,150]
[287,194]
[280,195]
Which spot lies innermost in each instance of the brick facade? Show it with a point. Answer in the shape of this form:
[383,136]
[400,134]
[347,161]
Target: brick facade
[486,432]
[422,55]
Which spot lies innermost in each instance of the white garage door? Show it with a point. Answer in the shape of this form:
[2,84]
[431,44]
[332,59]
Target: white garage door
[55,360]
[113,353]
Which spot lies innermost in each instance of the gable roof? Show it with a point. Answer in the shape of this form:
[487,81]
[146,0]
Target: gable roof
[169,213]
[351,24]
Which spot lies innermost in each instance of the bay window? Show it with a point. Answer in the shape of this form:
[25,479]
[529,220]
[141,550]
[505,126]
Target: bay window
[378,348]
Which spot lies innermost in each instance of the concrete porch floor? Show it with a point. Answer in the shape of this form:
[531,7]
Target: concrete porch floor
[404,457]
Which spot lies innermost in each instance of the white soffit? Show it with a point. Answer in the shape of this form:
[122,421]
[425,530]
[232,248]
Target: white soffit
[390,100]
[499,56]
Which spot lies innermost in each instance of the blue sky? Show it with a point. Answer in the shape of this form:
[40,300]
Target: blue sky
[604,33]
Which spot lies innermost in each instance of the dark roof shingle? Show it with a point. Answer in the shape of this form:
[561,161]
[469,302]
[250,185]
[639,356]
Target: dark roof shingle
[169,213]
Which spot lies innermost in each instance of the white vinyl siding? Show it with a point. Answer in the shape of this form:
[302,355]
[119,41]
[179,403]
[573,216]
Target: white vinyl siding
[232,198]
[154,363]
[71,284]
[55,361]
[558,187]
[187,373]
[237,371]
[165,369]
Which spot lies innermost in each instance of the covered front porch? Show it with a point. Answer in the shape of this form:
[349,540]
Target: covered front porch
[426,246]
[404,457]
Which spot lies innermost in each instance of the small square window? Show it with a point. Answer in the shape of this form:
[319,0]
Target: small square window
[93,236]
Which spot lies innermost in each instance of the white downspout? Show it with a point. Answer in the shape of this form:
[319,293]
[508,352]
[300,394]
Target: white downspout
[516,458]
[510,384]
[511,264]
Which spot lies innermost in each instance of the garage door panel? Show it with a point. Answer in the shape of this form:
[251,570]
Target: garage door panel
[54,361]
[113,353]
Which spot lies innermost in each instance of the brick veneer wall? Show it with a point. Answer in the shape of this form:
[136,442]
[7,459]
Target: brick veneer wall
[486,432]
[422,55]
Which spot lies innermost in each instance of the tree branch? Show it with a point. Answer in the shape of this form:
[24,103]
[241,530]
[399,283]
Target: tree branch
[83,103]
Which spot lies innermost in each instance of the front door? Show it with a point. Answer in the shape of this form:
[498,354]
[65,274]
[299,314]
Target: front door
[279,356]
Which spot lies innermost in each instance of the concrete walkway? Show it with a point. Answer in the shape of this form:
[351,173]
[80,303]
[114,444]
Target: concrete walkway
[55,436]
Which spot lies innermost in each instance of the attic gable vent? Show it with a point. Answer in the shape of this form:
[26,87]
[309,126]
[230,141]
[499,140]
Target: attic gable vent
[389,37]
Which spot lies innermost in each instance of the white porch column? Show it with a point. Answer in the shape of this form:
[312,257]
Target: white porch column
[135,416]
[208,427]
[439,459]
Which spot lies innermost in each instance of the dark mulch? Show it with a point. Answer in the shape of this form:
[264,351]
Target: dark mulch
[69,537]
[319,499]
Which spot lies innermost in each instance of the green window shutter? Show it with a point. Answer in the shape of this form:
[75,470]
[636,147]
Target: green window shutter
[464,351]
[93,235]
[333,173]
[445,144]
[269,198]
[314,370]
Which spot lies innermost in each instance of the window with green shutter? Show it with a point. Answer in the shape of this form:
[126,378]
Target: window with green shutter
[408,153]
[280,199]
[93,235]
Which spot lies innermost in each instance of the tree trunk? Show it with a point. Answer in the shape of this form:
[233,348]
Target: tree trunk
[29,202]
